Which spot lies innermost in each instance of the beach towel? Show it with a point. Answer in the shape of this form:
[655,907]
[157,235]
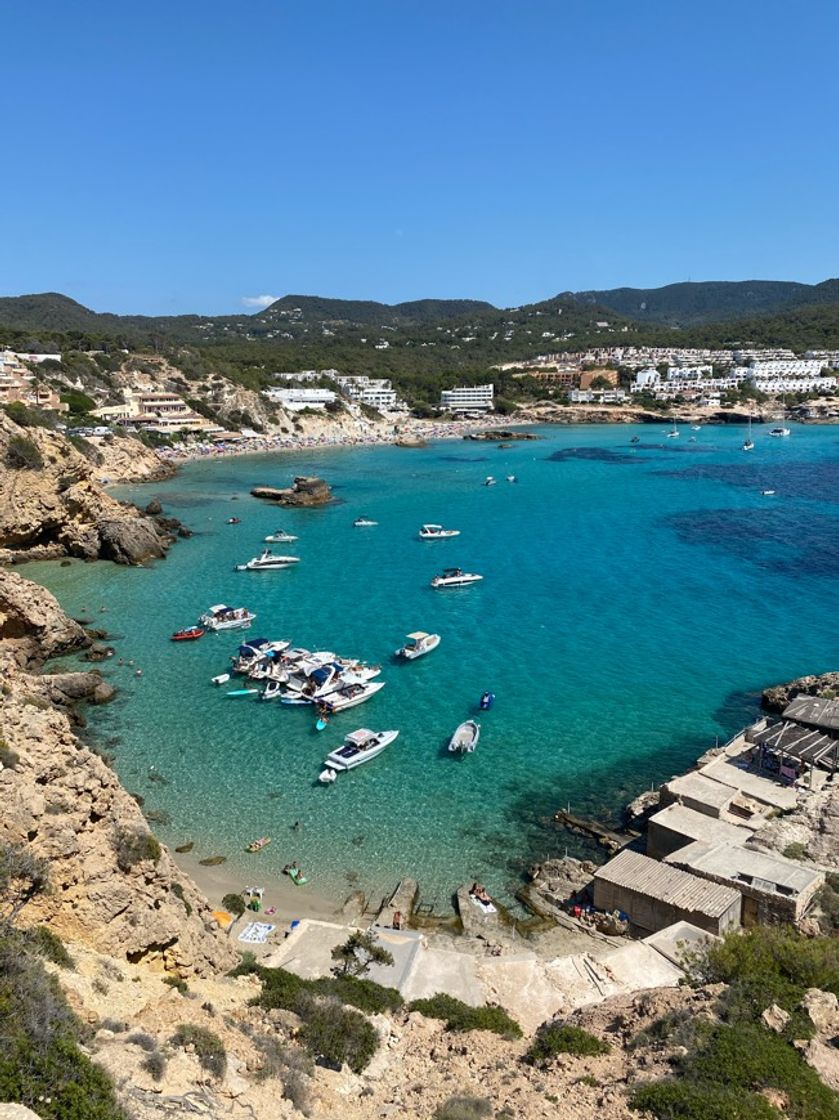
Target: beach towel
[256,933]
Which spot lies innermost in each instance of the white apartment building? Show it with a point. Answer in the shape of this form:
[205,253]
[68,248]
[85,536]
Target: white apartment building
[829,358]
[792,367]
[468,398]
[689,373]
[377,392]
[597,396]
[295,400]
[778,384]
[645,380]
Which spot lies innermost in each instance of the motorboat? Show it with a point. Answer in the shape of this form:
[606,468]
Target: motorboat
[256,652]
[234,521]
[455,577]
[351,695]
[635,439]
[222,678]
[190,634]
[486,701]
[359,747]
[779,433]
[489,480]
[417,644]
[465,739]
[272,691]
[364,522]
[267,562]
[280,536]
[222,617]
[767,493]
[327,776]
[696,427]
[511,478]
[437,533]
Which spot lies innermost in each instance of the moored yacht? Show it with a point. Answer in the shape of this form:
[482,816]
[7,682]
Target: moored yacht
[779,433]
[359,747]
[351,695]
[437,533]
[417,644]
[256,652]
[455,577]
[364,522]
[222,617]
[267,562]
[465,738]
[280,536]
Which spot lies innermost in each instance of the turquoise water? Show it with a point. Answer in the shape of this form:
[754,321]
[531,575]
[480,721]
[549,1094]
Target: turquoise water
[634,602]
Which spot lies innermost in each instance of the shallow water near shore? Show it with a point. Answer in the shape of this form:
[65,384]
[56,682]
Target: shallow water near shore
[635,601]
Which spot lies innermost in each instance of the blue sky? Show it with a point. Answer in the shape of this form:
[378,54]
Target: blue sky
[163,157]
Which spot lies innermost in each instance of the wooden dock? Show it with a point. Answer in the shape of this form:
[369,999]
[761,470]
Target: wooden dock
[606,837]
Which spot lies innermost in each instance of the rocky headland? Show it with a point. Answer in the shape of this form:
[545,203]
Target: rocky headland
[304,492]
[51,504]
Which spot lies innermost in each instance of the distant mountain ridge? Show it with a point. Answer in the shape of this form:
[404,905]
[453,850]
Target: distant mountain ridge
[711,301]
[416,312]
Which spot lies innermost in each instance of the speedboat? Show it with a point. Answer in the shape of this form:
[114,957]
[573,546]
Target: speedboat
[455,577]
[696,427]
[437,533]
[489,480]
[767,493]
[417,644]
[267,562]
[358,747]
[221,617]
[779,432]
[364,522]
[280,536]
[272,690]
[351,695]
[465,739]
[190,634]
[234,521]
[256,652]
[635,439]
[511,478]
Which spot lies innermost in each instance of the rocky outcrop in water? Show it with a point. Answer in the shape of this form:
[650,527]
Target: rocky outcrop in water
[776,698]
[304,492]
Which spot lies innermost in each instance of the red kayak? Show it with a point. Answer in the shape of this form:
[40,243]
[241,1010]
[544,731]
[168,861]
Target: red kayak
[192,634]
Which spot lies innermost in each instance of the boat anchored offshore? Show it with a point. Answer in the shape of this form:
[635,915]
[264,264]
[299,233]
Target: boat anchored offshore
[417,644]
[465,739]
[489,480]
[350,696]
[280,536]
[222,617]
[364,522]
[779,433]
[437,533]
[749,443]
[486,701]
[359,747]
[267,562]
[190,634]
[455,577]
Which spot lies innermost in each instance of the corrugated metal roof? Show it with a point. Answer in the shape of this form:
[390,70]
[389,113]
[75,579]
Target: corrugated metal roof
[815,710]
[668,884]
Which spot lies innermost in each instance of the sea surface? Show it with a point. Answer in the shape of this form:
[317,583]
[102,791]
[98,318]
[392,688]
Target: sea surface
[636,599]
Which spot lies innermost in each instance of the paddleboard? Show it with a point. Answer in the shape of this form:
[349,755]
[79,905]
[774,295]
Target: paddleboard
[298,880]
[242,692]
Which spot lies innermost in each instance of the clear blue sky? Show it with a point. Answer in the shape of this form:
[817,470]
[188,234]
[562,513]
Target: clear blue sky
[166,155]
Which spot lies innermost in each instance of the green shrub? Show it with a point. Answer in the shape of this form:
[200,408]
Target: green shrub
[178,892]
[41,1065]
[359,951]
[209,1049]
[554,1038]
[154,1064]
[28,417]
[49,946]
[463,1108]
[178,983]
[291,1065]
[795,851]
[678,1100]
[21,454]
[283,989]
[133,847]
[336,1033]
[677,1028]
[364,994]
[8,758]
[235,905]
[460,1016]
[144,1041]
[828,900]
[767,952]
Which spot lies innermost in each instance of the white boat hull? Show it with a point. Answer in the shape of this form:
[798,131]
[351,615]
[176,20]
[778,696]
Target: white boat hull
[439,583]
[465,739]
[336,761]
[338,703]
[411,653]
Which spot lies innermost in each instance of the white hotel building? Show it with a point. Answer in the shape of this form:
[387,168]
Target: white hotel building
[468,398]
[296,399]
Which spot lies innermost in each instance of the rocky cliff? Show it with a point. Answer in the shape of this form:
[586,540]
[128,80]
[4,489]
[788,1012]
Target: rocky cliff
[776,698]
[113,887]
[52,505]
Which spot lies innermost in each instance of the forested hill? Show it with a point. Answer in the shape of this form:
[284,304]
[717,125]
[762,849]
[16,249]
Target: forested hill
[420,312]
[690,304]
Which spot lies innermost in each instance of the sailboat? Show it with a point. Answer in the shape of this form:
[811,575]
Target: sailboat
[674,432]
[749,443]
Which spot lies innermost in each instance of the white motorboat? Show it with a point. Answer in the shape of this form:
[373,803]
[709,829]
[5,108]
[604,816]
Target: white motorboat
[511,478]
[465,739]
[351,695]
[364,522]
[489,480]
[455,577]
[222,617]
[280,536]
[437,533]
[767,493]
[258,651]
[359,747]
[696,427]
[267,562]
[417,644]
[272,691]
[779,433]
[327,776]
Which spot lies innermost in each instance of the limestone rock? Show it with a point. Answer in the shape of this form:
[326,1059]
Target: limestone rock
[131,540]
[822,1009]
[304,492]
[776,698]
[775,1018]
[32,620]
[17,1112]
